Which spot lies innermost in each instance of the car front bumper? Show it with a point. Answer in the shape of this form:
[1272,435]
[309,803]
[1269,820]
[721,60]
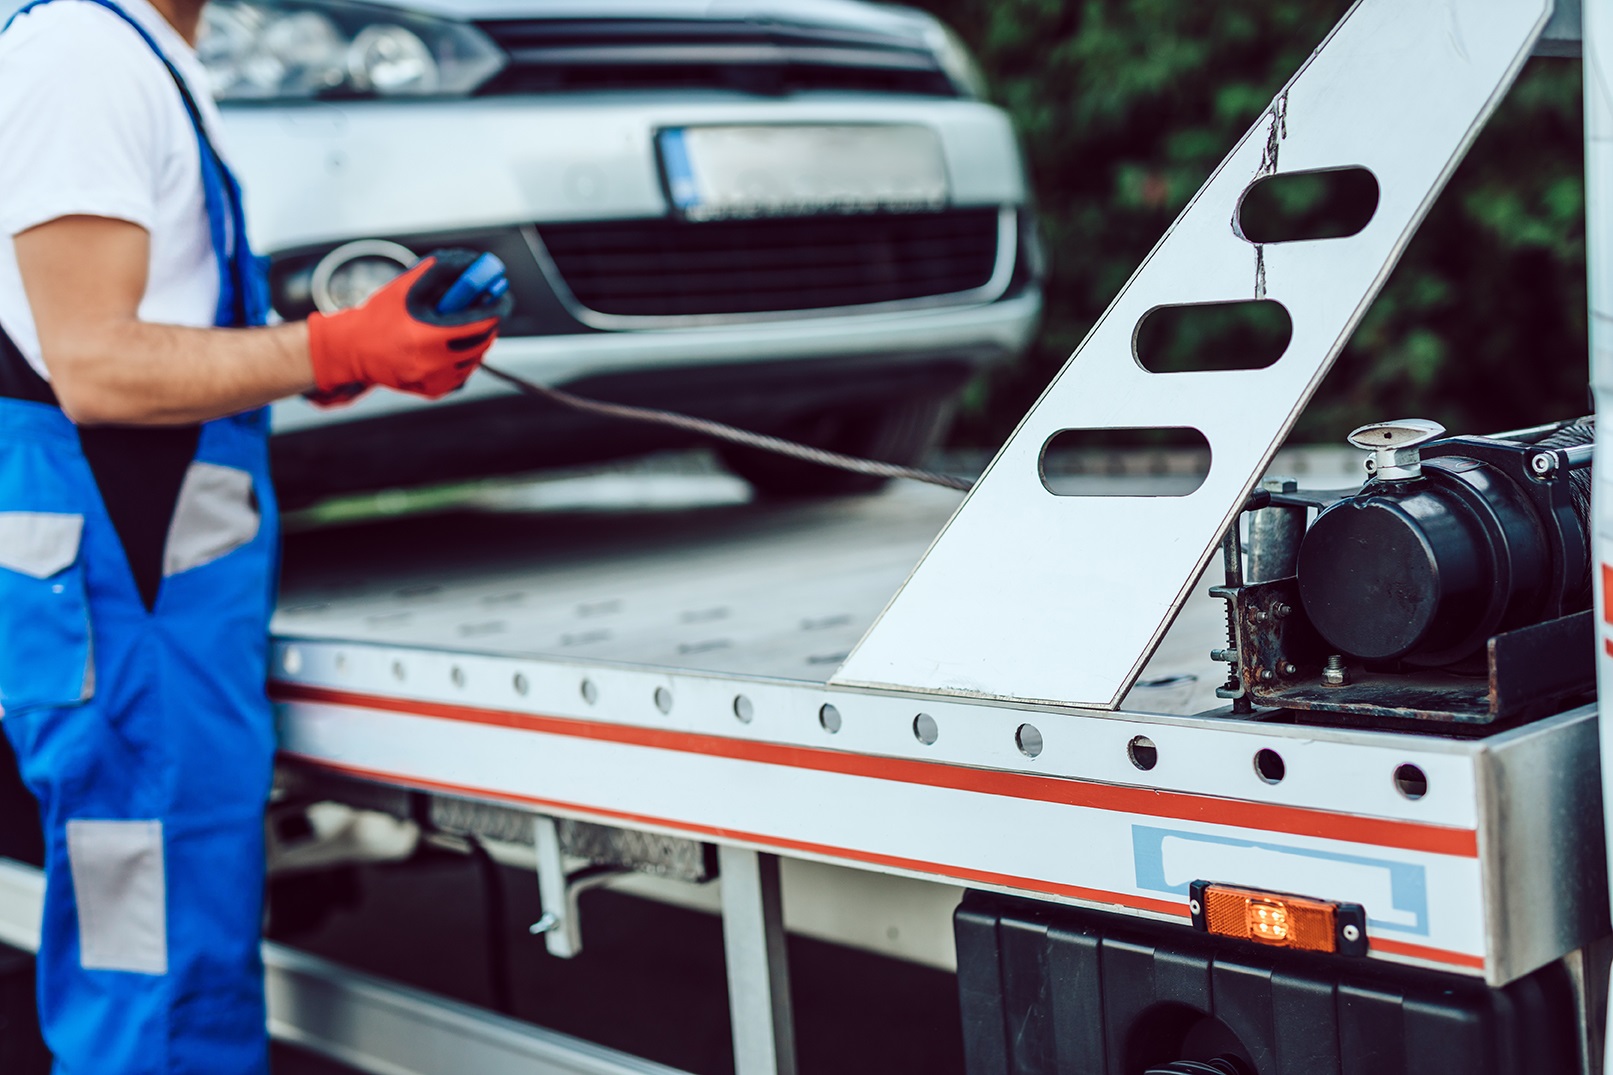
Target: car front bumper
[971,335]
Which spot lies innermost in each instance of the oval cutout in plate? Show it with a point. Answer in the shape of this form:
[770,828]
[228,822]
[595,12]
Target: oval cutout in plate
[1299,206]
[1130,461]
[1250,334]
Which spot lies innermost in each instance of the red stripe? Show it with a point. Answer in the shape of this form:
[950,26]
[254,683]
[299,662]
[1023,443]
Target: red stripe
[1298,821]
[1607,593]
[1607,644]
[1003,880]
[1433,955]
[959,873]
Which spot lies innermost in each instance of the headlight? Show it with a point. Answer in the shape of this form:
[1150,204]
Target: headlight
[957,61]
[279,50]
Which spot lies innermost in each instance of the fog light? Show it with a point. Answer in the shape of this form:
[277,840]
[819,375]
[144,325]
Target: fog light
[1278,919]
[350,274]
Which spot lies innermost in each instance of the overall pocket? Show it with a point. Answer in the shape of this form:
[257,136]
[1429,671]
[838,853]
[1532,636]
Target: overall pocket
[46,658]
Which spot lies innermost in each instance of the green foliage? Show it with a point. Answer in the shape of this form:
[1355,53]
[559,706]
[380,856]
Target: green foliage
[1124,107]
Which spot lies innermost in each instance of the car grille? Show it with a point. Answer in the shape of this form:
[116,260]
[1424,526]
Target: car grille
[672,268]
[558,55]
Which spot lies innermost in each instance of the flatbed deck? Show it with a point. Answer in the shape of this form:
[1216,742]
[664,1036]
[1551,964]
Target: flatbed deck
[677,571]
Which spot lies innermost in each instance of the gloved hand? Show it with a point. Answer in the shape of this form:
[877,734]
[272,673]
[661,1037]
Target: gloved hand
[398,339]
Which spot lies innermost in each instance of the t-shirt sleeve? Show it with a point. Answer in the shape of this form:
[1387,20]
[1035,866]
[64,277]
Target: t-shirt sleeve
[79,121]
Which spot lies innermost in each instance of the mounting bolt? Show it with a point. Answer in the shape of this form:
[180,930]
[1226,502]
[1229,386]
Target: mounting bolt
[1352,933]
[1543,464]
[1267,675]
[1224,656]
[1335,674]
[1282,612]
[546,924]
[1290,668]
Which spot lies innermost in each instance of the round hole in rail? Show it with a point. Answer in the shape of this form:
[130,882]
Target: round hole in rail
[1334,203]
[457,675]
[744,709]
[663,699]
[925,730]
[829,717]
[1247,334]
[1125,461]
[341,662]
[1411,781]
[291,660]
[590,691]
[1142,752]
[520,684]
[1269,766]
[399,672]
[1028,738]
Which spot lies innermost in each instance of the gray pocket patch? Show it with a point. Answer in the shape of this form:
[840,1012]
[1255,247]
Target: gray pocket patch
[39,544]
[122,893]
[217,513]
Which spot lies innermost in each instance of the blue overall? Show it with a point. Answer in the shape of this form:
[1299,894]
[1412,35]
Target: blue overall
[138,712]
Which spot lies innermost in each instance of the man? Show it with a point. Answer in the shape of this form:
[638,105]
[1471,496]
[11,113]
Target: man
[137,523]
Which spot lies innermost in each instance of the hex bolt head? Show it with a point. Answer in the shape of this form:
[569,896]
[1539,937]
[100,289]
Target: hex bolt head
[1267,675]
[1224,656]
[1282,612]
[1290,668]
[1335,674]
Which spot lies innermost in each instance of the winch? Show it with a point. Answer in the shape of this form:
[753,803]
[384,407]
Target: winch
[1460,572]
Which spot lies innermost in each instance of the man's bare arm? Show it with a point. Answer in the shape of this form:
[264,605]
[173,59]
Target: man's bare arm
[85,277]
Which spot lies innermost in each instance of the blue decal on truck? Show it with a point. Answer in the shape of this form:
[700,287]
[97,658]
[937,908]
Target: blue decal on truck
[1404,885]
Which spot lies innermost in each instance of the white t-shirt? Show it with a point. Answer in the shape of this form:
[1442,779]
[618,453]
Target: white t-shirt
[91,124]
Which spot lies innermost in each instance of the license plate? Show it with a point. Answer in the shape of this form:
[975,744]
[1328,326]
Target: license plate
[714,173]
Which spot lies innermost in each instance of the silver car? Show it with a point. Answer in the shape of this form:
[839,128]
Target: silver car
[799,217]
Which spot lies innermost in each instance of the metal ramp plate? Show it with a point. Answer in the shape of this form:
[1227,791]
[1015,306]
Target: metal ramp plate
[1034,597]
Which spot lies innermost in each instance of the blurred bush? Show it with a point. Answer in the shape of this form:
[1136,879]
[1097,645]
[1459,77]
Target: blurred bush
[1125,106]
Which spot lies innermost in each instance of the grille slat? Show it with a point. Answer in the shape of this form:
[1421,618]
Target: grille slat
[560,55]
[669,268]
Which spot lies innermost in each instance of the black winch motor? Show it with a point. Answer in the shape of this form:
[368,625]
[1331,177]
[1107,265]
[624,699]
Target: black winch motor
[1451,541]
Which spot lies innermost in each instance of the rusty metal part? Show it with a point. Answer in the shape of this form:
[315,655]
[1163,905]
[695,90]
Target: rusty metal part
[1527,673]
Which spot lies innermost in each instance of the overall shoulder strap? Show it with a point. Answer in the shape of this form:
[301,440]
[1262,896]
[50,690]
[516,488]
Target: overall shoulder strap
[242,299]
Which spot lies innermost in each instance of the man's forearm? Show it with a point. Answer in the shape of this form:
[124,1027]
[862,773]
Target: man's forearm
[135,373]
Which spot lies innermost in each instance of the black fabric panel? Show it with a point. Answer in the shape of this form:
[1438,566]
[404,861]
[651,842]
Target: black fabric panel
[18,380]
[138,471]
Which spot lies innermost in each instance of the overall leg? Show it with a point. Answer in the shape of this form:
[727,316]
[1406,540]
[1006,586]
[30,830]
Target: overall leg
[152,766]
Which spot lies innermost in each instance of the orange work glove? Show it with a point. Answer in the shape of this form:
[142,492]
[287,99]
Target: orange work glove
[398,339]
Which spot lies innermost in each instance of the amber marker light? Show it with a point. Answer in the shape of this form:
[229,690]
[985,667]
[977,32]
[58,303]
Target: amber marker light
[1278,920]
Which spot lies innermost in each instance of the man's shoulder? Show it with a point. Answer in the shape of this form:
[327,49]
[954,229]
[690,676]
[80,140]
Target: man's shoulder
[77,36]
[77,53]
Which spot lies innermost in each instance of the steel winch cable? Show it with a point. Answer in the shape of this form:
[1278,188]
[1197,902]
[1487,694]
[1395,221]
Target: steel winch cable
[731,434]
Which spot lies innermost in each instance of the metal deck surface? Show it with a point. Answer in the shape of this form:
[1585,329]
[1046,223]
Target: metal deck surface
[676,570]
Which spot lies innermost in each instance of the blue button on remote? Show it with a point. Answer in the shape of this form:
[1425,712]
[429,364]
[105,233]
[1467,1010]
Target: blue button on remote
[483,283]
